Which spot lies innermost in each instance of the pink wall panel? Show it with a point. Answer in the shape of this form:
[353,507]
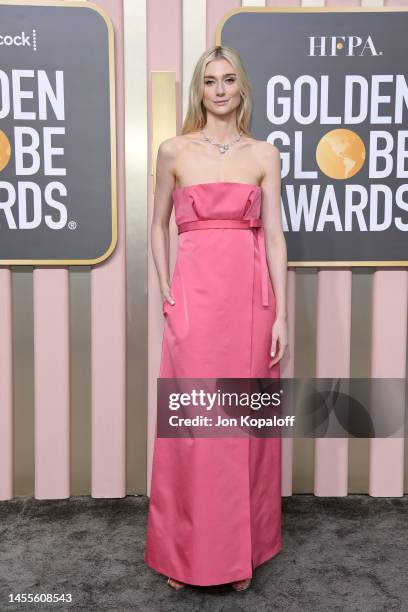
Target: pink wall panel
[388,360]
[216,10]
[332,360]
[51,382]
[108,286]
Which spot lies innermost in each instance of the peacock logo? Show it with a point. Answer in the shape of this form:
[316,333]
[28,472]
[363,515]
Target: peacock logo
[19,40]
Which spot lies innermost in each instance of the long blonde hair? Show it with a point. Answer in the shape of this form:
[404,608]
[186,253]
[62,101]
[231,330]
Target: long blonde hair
[196,116]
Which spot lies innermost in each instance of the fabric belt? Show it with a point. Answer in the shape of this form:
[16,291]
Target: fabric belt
[236,224]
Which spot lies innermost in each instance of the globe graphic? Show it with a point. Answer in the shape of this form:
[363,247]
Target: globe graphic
[5,150]
[340,153]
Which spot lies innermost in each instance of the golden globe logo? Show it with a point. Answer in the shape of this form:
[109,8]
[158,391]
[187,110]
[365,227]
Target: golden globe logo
[381,149]
[332,46]
[32,151]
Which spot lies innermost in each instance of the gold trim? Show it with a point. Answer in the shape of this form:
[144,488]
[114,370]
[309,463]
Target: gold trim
[137,268]
[164,111]
[23,382]
[318,9]
[114,206]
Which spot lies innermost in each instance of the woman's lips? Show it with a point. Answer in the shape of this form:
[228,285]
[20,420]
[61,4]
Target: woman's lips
[221,102]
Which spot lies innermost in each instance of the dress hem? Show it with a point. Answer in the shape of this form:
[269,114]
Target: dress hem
[233,578]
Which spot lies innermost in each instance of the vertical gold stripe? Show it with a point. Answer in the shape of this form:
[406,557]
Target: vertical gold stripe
[305,367]
[360,350]
[136,165]
[80,384]
[23,373]
[164,111]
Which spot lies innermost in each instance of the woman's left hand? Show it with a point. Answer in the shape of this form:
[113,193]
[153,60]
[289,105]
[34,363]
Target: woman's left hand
[280,338]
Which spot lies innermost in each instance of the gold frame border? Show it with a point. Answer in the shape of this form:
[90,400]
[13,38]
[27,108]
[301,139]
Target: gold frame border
[320,9]
[112,104]
[164,112]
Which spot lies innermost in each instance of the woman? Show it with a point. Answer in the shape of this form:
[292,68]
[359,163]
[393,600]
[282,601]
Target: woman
[215,503]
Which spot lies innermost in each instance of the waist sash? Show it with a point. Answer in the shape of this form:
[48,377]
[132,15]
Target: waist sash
[236,224]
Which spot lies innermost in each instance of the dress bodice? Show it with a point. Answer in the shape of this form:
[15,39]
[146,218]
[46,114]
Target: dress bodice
[223,205]
[218,200]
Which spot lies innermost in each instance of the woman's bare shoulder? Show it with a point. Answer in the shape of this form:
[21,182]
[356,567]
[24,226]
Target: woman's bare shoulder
[171,147]
[264,147]
[266,154]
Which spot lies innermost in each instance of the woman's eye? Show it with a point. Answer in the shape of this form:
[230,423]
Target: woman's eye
[229,80]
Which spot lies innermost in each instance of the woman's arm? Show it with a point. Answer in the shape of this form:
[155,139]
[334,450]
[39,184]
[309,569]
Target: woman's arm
[275,242]
[159,233]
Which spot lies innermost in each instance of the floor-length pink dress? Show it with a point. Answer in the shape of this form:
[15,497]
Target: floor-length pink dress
[215,503]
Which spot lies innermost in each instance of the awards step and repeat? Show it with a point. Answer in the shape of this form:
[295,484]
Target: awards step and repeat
[57,134]
[330,90]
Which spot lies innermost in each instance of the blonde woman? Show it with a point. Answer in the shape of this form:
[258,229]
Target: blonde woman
[215,503]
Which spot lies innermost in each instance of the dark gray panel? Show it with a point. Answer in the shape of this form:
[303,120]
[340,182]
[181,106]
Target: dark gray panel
[278,43]
[74,40]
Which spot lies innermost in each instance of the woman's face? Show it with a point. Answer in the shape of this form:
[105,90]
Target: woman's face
[221,92]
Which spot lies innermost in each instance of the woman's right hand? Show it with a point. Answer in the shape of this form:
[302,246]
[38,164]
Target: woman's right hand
[166,294]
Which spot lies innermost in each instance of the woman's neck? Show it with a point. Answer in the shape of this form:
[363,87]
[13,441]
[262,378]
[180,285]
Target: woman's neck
[221,131]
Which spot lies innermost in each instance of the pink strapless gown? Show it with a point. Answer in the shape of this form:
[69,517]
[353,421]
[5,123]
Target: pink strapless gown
[215,503]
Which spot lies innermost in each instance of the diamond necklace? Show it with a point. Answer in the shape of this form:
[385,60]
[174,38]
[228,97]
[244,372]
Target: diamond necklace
[223,148]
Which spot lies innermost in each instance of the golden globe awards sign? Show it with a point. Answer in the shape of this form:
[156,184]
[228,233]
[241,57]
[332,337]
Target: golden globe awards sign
[57,134]
[330,89]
